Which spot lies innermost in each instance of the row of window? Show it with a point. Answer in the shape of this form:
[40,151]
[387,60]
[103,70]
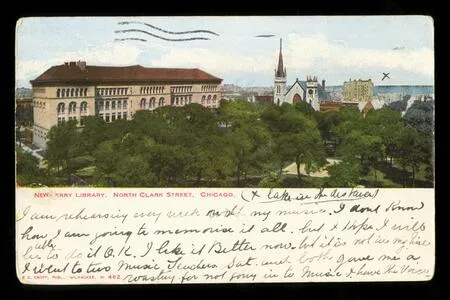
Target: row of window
[181,89]
[209,98]
[152,90]
[209,88]
[113,116]
[38,104]
[111,91]
[62,119]
[71,92]
[61,108]
[208,101]
[106,104]
[151,103]
[181,101]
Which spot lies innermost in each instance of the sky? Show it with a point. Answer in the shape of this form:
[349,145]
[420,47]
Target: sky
[332,48]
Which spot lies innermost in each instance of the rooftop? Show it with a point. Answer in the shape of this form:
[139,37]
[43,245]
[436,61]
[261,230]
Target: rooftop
[80,73]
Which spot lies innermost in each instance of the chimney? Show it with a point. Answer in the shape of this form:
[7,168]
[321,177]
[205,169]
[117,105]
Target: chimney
[72,64]
[81,65]
[323,83]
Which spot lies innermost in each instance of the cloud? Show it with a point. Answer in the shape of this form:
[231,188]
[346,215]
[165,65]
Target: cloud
[212,61]
[317,50]
[107,54]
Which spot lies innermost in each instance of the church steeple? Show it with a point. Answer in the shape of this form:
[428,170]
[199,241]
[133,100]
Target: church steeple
[280,80]
[281,71]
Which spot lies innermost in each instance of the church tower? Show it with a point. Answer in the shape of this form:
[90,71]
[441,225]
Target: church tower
[280,80]
[312,93]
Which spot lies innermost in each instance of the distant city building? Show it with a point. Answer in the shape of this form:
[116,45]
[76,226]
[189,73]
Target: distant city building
[75,90]
[309,91]
[264,99]
[231,96]
[358,90]
[334,92]
[24,102]
[23,93]
[24,117]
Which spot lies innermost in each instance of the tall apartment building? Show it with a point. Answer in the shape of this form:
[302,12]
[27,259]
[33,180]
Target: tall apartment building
[75,90]
[358,90]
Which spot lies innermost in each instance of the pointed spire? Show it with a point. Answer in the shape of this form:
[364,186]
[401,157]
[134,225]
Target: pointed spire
[280,70]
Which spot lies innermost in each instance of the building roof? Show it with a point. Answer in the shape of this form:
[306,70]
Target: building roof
[74,74]
[323,95]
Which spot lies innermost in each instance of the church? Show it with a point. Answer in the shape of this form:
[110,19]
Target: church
[310,90]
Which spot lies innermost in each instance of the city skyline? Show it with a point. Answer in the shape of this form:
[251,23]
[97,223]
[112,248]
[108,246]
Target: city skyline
[332,48]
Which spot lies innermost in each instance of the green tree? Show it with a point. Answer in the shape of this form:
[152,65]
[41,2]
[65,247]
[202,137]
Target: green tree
[385,123]
[167,163]
[415,149]
[106,158]
[298,139]
[61,139]
[27,168]
[327,122]
[344,174]
[420,116]
[247,138]
[133,171]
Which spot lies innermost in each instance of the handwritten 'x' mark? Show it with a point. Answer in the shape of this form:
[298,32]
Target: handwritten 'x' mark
[254,194]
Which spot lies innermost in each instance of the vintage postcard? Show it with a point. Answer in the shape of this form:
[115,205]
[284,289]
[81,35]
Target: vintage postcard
[155,150]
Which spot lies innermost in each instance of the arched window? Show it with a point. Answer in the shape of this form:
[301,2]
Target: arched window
[176,101]
[203,99]
[209,99]
[113,104]
[63,93]
[119,104]
[76,92]
[143,103]
[58,92]
[72,107]
[161,101]
[61,107]
[153,102]
[106,105]
[214,98]
[72,91]
[83,106]
[125,104]
[67,92]
[85,92]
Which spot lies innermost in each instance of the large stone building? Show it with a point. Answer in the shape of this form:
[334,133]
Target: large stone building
[358,90]
[75,90]
[310,90]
